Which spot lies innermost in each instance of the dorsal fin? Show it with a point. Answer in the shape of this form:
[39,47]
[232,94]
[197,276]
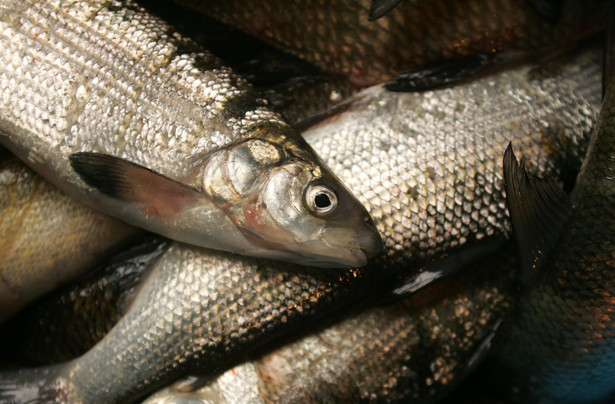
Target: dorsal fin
[380,8]
[538,208]
[123,180]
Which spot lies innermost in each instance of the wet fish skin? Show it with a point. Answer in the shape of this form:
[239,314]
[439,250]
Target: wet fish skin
[294,87]
[559,343]
[447,188]
[200,310]
[112,106]
[70,320]
[337,37]
[47,238]
[415,350]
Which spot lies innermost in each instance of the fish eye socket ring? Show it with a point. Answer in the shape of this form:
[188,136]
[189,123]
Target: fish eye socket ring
[320,199]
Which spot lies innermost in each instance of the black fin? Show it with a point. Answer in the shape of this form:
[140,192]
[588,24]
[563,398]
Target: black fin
[538,209]
[380,8]
[446,266]
[123,180]
[443,73]
[549,10]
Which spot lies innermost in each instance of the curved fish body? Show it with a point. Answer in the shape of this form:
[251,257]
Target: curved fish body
[432,185]
[416,350]
[559,344]
[70,320]
[47,238]
[113,106]
[337,37]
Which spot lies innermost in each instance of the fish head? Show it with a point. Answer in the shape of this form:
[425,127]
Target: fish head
[290,207]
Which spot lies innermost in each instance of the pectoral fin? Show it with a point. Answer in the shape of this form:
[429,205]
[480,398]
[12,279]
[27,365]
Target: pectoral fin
[126,181]
[538,208]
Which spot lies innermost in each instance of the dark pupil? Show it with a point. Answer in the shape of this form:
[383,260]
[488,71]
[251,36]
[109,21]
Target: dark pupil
[322,201]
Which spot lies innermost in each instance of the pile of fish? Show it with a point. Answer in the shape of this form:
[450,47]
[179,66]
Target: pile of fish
[334,214]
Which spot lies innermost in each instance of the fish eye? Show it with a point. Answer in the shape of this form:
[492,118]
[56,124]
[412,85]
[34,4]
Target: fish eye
[320,199]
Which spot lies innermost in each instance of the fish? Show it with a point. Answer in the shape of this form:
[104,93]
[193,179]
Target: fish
[558,344]
[47,238]
[433,186]
[112,106]
[73,318]
[416,350]
[338,38]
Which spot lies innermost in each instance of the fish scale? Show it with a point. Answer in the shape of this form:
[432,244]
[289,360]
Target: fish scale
[417,349]
[126,88]
[114,107]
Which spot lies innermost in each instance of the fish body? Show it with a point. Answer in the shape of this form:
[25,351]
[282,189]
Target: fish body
[47,238]
[113,106]
[337,37]
[559,343]
[415,350]
[199,311]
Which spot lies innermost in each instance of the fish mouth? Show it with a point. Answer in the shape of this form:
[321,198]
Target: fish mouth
[351,248]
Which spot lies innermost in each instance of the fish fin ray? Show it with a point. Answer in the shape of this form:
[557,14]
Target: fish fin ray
[538,209]
[123,180]
[380,8]
[441,74]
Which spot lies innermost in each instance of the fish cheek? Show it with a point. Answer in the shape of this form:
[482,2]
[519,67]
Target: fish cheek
[234,175]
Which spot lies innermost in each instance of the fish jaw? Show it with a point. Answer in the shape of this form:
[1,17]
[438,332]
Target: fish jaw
[288,207]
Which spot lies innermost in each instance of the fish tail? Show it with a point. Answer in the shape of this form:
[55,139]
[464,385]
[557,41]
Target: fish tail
[33,386]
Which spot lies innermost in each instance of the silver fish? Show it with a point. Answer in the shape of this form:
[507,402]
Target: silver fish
[415,350]
[112,106]
[430,183]
[47,238]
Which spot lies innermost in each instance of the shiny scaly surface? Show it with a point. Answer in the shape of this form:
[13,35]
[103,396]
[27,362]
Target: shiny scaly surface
[189,149]
[337,37]
[415,350]
[47,238]
[559,344]
[431,185]
[429,163]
